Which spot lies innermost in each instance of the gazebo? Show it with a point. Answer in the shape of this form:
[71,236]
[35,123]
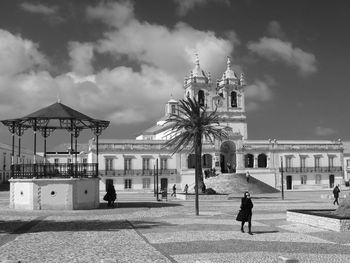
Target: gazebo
[54,186]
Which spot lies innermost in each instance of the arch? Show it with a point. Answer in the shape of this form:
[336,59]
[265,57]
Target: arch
[191,161]
[249,160]
[228,157]
[233,99]
[201,97]
[262,160]
[207,160]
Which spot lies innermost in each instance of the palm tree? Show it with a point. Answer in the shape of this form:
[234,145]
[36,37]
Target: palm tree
[190,126]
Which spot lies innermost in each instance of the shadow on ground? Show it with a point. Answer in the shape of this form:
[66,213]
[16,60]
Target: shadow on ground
[37,226]
[139,204]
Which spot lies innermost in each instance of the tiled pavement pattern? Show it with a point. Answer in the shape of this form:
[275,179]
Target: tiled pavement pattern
[143,230]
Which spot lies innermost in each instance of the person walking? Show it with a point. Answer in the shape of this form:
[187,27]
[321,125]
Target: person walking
[186,189]
[336,192]
[245,214]
[110,196]
[174,191]
[247,175]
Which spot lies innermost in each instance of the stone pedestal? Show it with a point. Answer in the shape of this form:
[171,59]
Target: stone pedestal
[54,194]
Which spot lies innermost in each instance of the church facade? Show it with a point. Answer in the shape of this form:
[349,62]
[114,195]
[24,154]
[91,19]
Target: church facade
[298,164]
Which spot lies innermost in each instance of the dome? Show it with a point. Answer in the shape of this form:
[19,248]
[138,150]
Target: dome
[197,71]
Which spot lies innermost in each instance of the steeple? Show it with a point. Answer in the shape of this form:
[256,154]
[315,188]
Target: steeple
[197,74]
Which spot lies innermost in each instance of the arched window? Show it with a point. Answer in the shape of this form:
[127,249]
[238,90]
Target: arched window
[249,160]
[191,161]
[262,160]
[233,99]
[207,160]
[201,99]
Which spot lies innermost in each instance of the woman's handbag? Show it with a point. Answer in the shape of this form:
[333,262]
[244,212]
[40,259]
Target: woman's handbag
[105,197]
[240,216]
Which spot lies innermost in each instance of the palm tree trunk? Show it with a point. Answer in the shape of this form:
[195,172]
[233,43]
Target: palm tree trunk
[198,171]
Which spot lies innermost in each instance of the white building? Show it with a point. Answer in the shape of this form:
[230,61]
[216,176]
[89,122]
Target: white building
[129,164]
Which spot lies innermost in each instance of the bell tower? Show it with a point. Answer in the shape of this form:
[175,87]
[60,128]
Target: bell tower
[230,101]
[198,85]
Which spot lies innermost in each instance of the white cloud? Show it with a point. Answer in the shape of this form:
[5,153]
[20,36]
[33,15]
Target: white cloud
[274,29]
[49,12]
[81,55]
[19,55]
[170,49]
[324,131]
[277,50]
[258,93]
[38,8]
[185,6]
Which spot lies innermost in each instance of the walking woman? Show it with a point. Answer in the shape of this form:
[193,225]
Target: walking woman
[245,214]
[110,196]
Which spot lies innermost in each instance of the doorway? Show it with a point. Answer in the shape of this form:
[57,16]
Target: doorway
[289,180]
[228,157]
[108,183]
[331,181]
[164,184]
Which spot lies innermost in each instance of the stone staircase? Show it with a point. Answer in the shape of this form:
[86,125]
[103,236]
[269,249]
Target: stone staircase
[236,183]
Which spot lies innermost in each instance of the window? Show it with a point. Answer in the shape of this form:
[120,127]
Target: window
[127,184]
[317,161]
[289,163]
[4,161]
[163,163]
[56,161]
[201,97]
[318,179]
[173,109]
[85,161]
[191,161]
[348,163]
[69,160]
[145,164]
[302,161]
[207,160]
[330,161]
[233,99]
[146,183]
[127,164]
[109,164]
[303,179]
[249,160]
[262,160]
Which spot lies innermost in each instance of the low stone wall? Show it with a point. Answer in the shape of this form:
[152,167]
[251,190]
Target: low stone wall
[325,222]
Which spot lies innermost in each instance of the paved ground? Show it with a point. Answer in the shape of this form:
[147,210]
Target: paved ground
[143,230]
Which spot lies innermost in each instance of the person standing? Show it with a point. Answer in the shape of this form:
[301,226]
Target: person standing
[174,191]
[245,214]
[336,192]
[110,196]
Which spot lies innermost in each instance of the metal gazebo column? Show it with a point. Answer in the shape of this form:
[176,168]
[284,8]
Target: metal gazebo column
[19,131]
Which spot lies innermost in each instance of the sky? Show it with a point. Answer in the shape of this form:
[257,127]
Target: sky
[123,60]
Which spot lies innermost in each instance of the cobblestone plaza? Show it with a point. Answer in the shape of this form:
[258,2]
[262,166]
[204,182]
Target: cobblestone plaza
[144,230]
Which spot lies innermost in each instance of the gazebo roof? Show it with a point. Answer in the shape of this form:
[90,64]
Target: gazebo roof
[56,116]
[58,111]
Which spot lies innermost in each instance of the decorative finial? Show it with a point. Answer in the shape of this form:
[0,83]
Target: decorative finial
[58,98]
[197,59]
[228,63]
[242,79]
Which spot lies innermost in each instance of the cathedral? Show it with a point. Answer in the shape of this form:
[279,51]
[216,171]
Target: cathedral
[294,164]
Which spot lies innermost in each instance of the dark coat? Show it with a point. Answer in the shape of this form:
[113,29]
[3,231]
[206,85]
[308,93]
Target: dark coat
[336,192]
[110,195]
[246,210]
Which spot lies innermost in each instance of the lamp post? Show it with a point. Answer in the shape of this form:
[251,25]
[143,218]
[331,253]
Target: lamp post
[282,187]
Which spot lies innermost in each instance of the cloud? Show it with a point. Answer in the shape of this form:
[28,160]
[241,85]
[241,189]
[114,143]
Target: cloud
[277,50]
[81,55]
[274,29]
[324,131]
[258,93]
[50,12]
[170,49]
[185,6]
[19,54]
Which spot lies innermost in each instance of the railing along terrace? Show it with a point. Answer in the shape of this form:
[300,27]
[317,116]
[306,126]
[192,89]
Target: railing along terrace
[118,172]
[312,169]
[48,170]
